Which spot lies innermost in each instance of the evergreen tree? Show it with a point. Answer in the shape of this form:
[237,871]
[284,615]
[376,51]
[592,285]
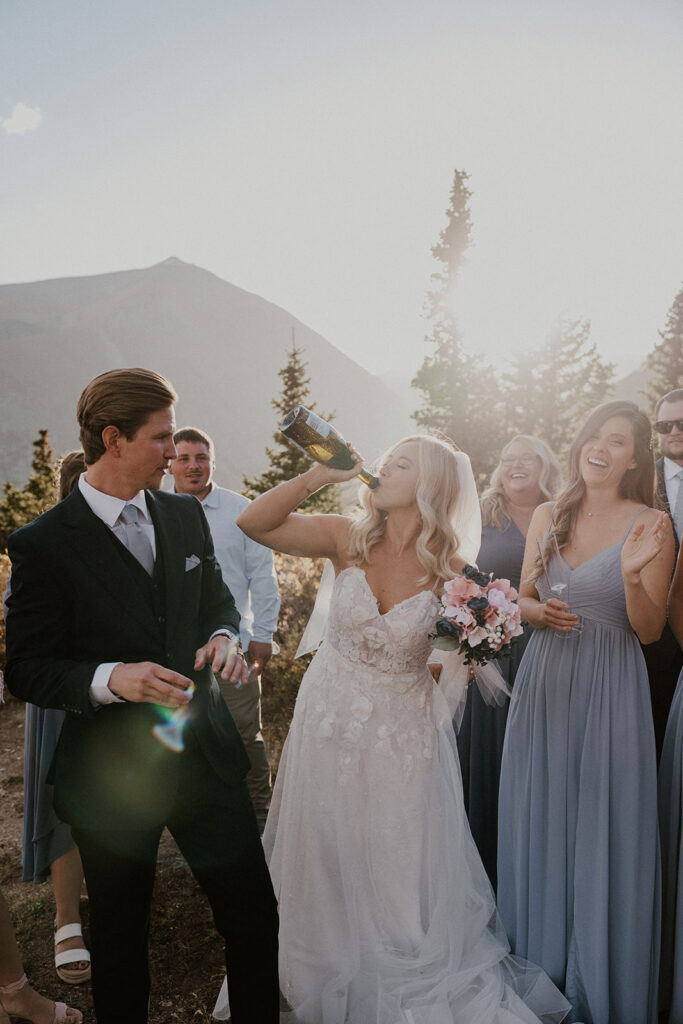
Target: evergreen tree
[40,493]
[665,362]
[287,461]
[460,394]
[552,388]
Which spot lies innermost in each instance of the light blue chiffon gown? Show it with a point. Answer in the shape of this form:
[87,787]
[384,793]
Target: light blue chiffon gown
[671,827]
[578,859]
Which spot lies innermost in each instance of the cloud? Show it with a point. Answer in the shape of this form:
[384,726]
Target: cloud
[23,119]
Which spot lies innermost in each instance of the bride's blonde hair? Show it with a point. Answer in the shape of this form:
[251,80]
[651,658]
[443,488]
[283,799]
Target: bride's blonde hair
[437,493]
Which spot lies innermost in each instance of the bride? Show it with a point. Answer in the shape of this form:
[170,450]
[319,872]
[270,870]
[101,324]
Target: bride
[386,912]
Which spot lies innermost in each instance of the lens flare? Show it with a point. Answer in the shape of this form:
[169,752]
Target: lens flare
[170,735]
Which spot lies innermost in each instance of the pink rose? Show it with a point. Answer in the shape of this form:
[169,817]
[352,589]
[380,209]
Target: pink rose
[464,617]
[460,589]
[475,637]
[505,586]
[492,615]
[498,599]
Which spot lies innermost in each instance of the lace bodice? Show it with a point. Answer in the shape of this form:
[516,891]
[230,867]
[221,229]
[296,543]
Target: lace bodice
[369,686]
[396,642]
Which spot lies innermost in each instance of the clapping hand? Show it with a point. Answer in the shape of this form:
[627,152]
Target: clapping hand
[642,546]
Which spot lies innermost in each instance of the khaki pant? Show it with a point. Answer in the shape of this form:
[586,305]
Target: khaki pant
[245,707]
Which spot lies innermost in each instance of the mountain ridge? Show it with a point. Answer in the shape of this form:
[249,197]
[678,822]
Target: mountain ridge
[220,345]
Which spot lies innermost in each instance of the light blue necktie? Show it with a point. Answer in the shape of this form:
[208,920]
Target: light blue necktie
[136,539]
[677,510]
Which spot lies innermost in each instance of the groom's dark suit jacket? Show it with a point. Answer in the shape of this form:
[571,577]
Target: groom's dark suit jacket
[79,599]
[664,658]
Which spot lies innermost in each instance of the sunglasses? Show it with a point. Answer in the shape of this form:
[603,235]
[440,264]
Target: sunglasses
[666,426]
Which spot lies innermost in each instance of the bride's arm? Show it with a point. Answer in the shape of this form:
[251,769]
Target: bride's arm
[271,519]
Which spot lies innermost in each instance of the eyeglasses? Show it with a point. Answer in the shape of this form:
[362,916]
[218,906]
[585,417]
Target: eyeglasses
[511,460]
[666,426]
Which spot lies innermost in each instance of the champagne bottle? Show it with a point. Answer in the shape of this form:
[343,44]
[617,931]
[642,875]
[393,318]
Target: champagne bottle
[321,441]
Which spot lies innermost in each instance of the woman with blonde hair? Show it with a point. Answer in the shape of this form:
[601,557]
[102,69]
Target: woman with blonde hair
[528,473]
[386,913]
[578,860]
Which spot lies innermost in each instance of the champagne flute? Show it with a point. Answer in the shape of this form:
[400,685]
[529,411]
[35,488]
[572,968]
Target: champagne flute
[560,589]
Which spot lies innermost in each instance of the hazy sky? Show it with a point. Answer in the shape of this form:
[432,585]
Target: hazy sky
[305,151]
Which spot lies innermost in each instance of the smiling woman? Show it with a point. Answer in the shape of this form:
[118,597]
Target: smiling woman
[528,473]
[579,753]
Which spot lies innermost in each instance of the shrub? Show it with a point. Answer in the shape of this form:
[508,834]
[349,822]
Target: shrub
[298,579]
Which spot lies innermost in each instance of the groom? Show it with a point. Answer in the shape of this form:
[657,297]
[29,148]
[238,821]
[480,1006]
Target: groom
[118,615]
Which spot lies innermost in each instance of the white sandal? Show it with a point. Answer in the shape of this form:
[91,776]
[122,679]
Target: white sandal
[71,975]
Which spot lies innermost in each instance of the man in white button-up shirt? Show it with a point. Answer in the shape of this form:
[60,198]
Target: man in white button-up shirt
[249,573]
[669,426]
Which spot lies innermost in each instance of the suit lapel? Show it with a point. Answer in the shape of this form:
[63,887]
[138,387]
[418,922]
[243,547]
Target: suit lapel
[87,536]
[170,538]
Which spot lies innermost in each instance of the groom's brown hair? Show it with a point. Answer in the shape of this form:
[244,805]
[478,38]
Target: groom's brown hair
[123,398]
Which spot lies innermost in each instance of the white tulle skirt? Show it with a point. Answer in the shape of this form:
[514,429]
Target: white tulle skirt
[387,916]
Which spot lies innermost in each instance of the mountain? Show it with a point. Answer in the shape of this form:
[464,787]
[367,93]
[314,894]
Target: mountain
[219,345]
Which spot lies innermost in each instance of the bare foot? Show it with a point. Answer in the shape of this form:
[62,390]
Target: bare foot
[25,1002]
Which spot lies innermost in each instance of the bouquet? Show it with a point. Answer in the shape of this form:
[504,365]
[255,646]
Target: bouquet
[480,616]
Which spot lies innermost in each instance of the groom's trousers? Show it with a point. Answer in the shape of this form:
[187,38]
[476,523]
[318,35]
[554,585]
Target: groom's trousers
[215,828]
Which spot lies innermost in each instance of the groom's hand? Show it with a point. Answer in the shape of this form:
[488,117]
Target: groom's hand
[225,657]
[145,682]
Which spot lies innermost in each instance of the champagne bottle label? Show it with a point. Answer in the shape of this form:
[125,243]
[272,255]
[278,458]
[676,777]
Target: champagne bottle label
[320,426]
[320,441]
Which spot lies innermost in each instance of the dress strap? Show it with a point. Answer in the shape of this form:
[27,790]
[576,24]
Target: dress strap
[630,525]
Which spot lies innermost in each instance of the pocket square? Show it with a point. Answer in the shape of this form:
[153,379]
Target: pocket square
[191,563]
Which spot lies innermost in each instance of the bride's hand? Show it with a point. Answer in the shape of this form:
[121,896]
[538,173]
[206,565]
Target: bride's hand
[641,547]
[320,474]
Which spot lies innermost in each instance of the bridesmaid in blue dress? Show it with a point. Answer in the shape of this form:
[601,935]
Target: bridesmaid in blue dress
[578,861]
[47,845]
[671,830]
[527,474]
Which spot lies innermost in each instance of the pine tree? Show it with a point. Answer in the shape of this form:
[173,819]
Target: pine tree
[22,506]
[665,362]
[460,394]
[287,461]
[552,388]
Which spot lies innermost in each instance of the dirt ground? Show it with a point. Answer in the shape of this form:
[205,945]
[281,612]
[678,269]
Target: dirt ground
[185,951]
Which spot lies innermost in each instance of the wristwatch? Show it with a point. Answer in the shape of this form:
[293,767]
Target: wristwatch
[233,637]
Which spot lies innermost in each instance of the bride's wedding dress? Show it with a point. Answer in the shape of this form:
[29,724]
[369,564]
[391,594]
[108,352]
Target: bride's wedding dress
[387,916]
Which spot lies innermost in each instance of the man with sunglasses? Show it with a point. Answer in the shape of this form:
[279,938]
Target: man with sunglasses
[669,426]
[664,658]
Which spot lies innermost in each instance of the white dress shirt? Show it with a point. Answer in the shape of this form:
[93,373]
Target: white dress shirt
[247,566]
[671,481]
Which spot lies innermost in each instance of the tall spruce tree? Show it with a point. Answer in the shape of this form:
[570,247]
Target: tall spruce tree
[23,505]
[665,362]
[552,388]
[460,394]
[287,461]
